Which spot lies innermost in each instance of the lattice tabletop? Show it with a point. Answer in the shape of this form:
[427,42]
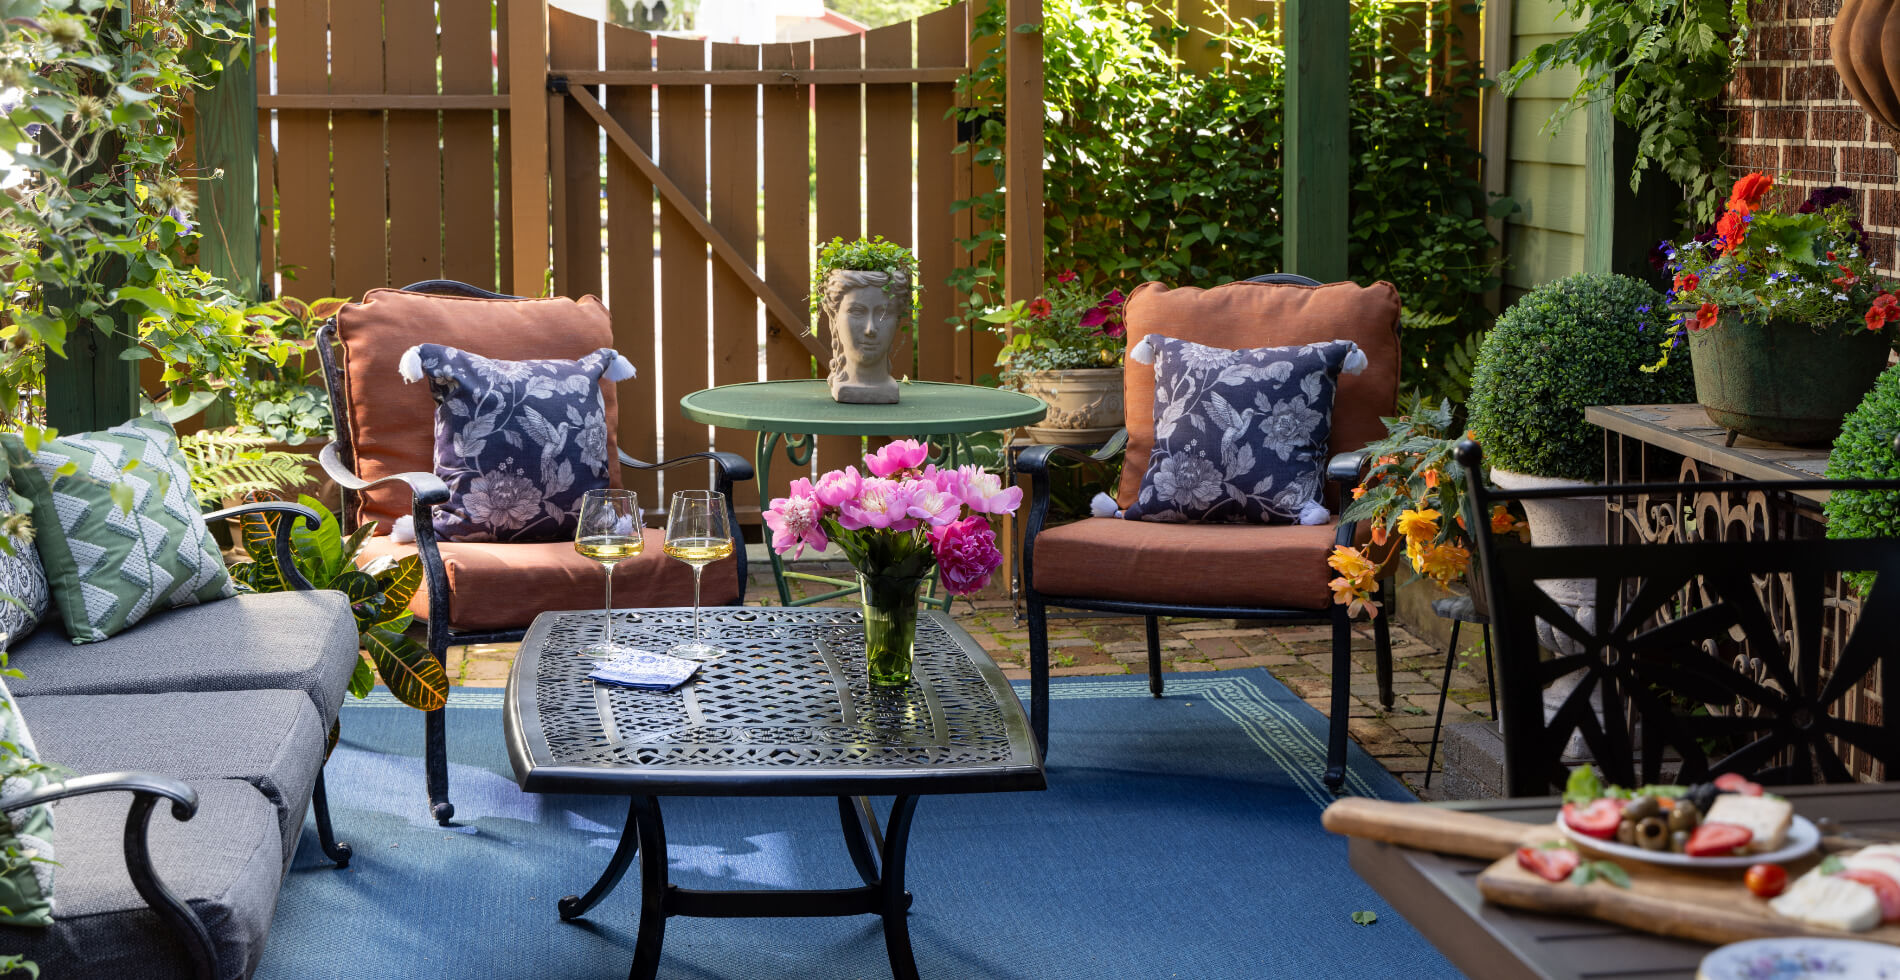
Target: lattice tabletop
[789,711]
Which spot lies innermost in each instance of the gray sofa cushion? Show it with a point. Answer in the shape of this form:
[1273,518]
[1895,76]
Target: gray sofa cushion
[224,863]
[270,739]
[290,641]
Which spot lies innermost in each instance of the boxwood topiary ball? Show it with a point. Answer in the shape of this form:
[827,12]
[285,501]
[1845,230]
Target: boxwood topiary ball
[1564,346]
[1864,451]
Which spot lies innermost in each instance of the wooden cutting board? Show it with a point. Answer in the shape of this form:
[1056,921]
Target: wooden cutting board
[1711,906]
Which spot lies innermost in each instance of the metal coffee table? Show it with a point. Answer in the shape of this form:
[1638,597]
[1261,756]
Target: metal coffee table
[789,712]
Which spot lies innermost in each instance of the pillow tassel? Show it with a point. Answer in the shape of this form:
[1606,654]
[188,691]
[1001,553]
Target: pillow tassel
[403,530]
[1313,512]
[410,367]
[621,369]
[1355,361]
[1103,505]
[1144,352]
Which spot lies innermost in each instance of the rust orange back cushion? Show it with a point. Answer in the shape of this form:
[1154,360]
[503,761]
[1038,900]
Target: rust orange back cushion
[392,423]
[1258,314]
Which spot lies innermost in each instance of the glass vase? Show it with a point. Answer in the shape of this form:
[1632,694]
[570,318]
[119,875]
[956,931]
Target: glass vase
[890,626]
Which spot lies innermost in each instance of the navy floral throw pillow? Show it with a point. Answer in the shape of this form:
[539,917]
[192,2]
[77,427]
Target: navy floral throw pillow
[518,442]
[1240,435]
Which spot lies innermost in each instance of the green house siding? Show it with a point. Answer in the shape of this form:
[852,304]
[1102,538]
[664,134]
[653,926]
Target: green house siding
[1545,170]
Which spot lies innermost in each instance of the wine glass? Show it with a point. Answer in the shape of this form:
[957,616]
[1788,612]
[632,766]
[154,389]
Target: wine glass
[697,533]
[609,532]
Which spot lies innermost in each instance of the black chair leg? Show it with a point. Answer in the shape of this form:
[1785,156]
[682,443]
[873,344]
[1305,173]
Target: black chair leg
[1154,656]
[1039,673]
[1342,698]
[333,849]
[1382,648]
[436,759]
[1444,691]
[1490,679]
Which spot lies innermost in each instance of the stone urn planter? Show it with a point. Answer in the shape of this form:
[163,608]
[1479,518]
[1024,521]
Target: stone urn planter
[1555,524]
[1782,382]
[1085,404]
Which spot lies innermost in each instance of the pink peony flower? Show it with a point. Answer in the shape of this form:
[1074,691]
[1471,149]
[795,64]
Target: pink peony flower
[904,454]
[932,504]
[966,554]
[838,486]
[794,520]
[949,481]
[984,491]
[880,505]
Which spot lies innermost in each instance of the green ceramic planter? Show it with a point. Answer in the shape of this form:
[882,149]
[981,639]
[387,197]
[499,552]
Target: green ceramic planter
[1782,382]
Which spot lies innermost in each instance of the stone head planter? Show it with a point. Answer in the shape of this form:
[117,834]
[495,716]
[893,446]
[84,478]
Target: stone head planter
[865,311]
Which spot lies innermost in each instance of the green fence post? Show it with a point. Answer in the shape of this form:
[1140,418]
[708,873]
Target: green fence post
[1314,163]
[227,159]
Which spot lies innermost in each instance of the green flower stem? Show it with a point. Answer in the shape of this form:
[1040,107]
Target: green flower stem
[890,626]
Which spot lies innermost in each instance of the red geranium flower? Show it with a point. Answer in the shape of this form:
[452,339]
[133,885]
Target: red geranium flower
[1707,316]
[1886,308]
[1039,308]
[1748,192]
[1847,278]
[1732,230]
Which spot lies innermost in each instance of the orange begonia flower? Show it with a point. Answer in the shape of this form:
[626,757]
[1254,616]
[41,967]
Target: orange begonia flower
[1431,479]
[1501,520]
[1732,230]
[1379,534]
[1419,525]
[1446,562]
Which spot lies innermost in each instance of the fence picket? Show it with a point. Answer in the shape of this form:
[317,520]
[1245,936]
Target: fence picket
[356,139]
[468,146]
[683,263]
[415,173]
[786,125]
[941,36]
[888,173]
[734,210]
[303,151]
[573,42]
[839,172]
[630,231]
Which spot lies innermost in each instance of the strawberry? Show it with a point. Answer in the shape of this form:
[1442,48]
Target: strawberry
[1549,863]
[1717,839]
[1735,782]
[1598,820]
[1884,887]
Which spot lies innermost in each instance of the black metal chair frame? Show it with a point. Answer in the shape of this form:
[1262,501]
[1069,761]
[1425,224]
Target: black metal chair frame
[1772,723]
[426,491]
[1343,473]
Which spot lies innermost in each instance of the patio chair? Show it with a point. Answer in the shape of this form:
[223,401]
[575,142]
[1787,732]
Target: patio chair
[480,592]
[1661,682]
[1219,571]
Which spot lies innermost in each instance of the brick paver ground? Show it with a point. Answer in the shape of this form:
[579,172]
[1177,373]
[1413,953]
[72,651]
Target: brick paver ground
[1300,655]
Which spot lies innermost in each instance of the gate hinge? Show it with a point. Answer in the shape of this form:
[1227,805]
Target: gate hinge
[557,84]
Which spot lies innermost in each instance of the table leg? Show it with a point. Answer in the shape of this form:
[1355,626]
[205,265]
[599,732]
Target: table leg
[764,447]
[645,812]
[896,904]
[861,836]
[575,906]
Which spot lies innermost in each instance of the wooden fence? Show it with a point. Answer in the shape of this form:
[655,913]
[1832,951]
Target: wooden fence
[686,183]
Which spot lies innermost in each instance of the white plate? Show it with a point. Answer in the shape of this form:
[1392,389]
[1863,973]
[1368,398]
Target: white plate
[1796,958]
[1802,838]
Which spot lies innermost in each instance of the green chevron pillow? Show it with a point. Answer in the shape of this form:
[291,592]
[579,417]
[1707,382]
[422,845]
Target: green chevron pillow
[116,525]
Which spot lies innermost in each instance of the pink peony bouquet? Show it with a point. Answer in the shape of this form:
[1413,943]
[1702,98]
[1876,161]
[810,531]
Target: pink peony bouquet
[899,517]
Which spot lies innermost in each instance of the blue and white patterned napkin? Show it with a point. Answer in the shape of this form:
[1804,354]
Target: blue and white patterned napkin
[644,670]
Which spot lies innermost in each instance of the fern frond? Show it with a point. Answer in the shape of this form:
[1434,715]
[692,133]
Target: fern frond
[226,464]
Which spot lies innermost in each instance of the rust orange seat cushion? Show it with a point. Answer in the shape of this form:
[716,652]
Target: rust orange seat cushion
[1280,565]
[1257,314]
[504,586]
[392,423]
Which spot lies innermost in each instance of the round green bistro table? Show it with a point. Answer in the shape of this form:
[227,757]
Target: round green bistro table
[793,414]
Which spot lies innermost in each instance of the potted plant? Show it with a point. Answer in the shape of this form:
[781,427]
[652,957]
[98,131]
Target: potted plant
[1567,345]
[1412,501]
[1868,448]
[1787,323]
[867,291]
[1065,347]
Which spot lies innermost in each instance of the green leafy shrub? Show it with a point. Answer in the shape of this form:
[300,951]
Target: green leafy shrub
[865,255]
[1864,451]
[1564,346]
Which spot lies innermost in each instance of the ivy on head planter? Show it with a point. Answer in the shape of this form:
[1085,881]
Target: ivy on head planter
[1565,346]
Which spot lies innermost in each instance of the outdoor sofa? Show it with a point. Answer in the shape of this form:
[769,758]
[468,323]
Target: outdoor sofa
[224,712]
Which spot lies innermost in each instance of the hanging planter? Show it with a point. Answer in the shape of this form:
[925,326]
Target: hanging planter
[1864,64]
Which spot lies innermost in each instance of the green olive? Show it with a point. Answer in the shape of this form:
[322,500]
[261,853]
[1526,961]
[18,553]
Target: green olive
[1652,834]
[1679,841]
[1642,807]
[1685,816]
[1626,832]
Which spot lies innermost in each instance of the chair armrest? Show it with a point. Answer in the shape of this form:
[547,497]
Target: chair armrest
[427,488]
[731,465]
[147,788]
[280,537]
[1345,470]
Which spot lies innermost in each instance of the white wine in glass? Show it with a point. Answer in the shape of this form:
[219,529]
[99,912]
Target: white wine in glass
[609,532]
[697,533]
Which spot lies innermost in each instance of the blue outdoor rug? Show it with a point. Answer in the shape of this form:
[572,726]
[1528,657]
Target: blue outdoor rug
[1179,837]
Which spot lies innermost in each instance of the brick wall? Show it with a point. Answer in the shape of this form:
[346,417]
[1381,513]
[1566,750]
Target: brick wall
[1793,118]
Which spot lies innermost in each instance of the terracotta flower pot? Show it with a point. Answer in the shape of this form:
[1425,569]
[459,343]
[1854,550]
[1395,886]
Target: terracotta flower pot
[1865,43]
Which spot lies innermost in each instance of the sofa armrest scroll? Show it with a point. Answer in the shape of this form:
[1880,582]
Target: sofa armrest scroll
[147,788]
[280,536]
